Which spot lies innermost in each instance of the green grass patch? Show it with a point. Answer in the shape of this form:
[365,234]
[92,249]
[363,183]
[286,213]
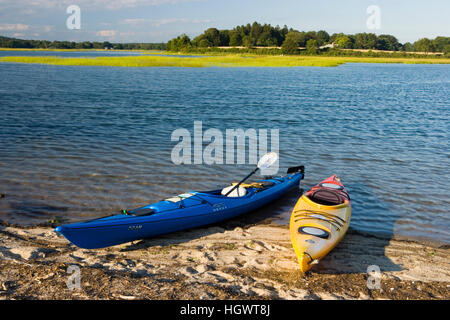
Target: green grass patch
[231,60]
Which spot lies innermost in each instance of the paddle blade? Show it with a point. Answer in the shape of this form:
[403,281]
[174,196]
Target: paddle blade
[267,160]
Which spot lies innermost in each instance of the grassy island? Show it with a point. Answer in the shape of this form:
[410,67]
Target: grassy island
[229,60]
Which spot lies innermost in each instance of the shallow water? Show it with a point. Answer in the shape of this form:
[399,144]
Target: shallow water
[81,142]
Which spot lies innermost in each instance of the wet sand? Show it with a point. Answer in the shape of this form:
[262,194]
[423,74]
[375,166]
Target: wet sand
[252,261]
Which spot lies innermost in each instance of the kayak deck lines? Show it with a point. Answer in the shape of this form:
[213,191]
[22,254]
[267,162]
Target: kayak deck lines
[319,221]
[334,220]
[192,195]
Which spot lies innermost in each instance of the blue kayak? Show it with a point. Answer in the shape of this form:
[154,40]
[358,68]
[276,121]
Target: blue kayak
[188,210]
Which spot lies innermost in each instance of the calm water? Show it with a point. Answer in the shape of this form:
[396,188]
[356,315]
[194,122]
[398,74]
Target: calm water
[81,142]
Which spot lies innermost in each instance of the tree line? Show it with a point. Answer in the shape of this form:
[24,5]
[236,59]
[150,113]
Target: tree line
[290,40]
[6,42]
[273,40]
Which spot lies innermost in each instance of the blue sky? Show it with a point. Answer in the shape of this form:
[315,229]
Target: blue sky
[161,20]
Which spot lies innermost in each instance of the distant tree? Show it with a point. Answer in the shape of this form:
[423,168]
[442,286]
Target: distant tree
[213,36]
[272,42]
[441,42]
[343,42]
[184,41]
[257,34]
[264,39]
[291,43]
[255,31]
[284,31]
[197,39]
[19,43]
[64,45]
[446,49]
[311,46]
[408,47]
[248,41]
[106,44]
[224,36]
[387,42]
[289,46]
[269,36]
[246,29]
[179,43]
[322,37]
[204,43]
[97,45]
[310,35]
[303,38]
[235,39]
[278,35]
[365,41]
[86,45]
[14,44]
[334,36]
[424,45]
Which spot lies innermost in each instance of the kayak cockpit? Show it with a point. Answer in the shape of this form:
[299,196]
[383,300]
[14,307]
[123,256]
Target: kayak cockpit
[326,197]
[243,191]
[214,194]
[328,194]
[139,212]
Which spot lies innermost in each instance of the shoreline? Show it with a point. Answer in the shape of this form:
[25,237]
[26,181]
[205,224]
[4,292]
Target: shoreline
[202,61]
[261,220]
[230,261]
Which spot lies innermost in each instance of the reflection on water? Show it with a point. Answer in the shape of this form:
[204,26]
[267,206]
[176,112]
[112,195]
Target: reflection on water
[80,142]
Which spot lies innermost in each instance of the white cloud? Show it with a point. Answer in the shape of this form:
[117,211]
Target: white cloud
[134,21]
[91,4]
[106,33]
[160,22]
[14,27]
[18,34]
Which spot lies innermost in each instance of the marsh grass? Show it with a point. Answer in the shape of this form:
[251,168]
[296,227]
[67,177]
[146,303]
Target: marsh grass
[199,61]
[80,50]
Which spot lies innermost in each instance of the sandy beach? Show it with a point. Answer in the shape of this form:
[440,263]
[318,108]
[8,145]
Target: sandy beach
[228,261]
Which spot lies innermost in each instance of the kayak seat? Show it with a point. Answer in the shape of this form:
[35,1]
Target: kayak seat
[263,185]
[267,184]
[326,197]
[256,185]
[238,192]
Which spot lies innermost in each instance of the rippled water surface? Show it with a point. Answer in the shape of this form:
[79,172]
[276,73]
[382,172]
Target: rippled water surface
[80,142]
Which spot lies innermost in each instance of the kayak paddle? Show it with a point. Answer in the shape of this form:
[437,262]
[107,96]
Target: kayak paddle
[265,162]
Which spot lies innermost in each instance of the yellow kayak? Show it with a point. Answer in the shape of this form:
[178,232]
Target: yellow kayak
[319,221]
